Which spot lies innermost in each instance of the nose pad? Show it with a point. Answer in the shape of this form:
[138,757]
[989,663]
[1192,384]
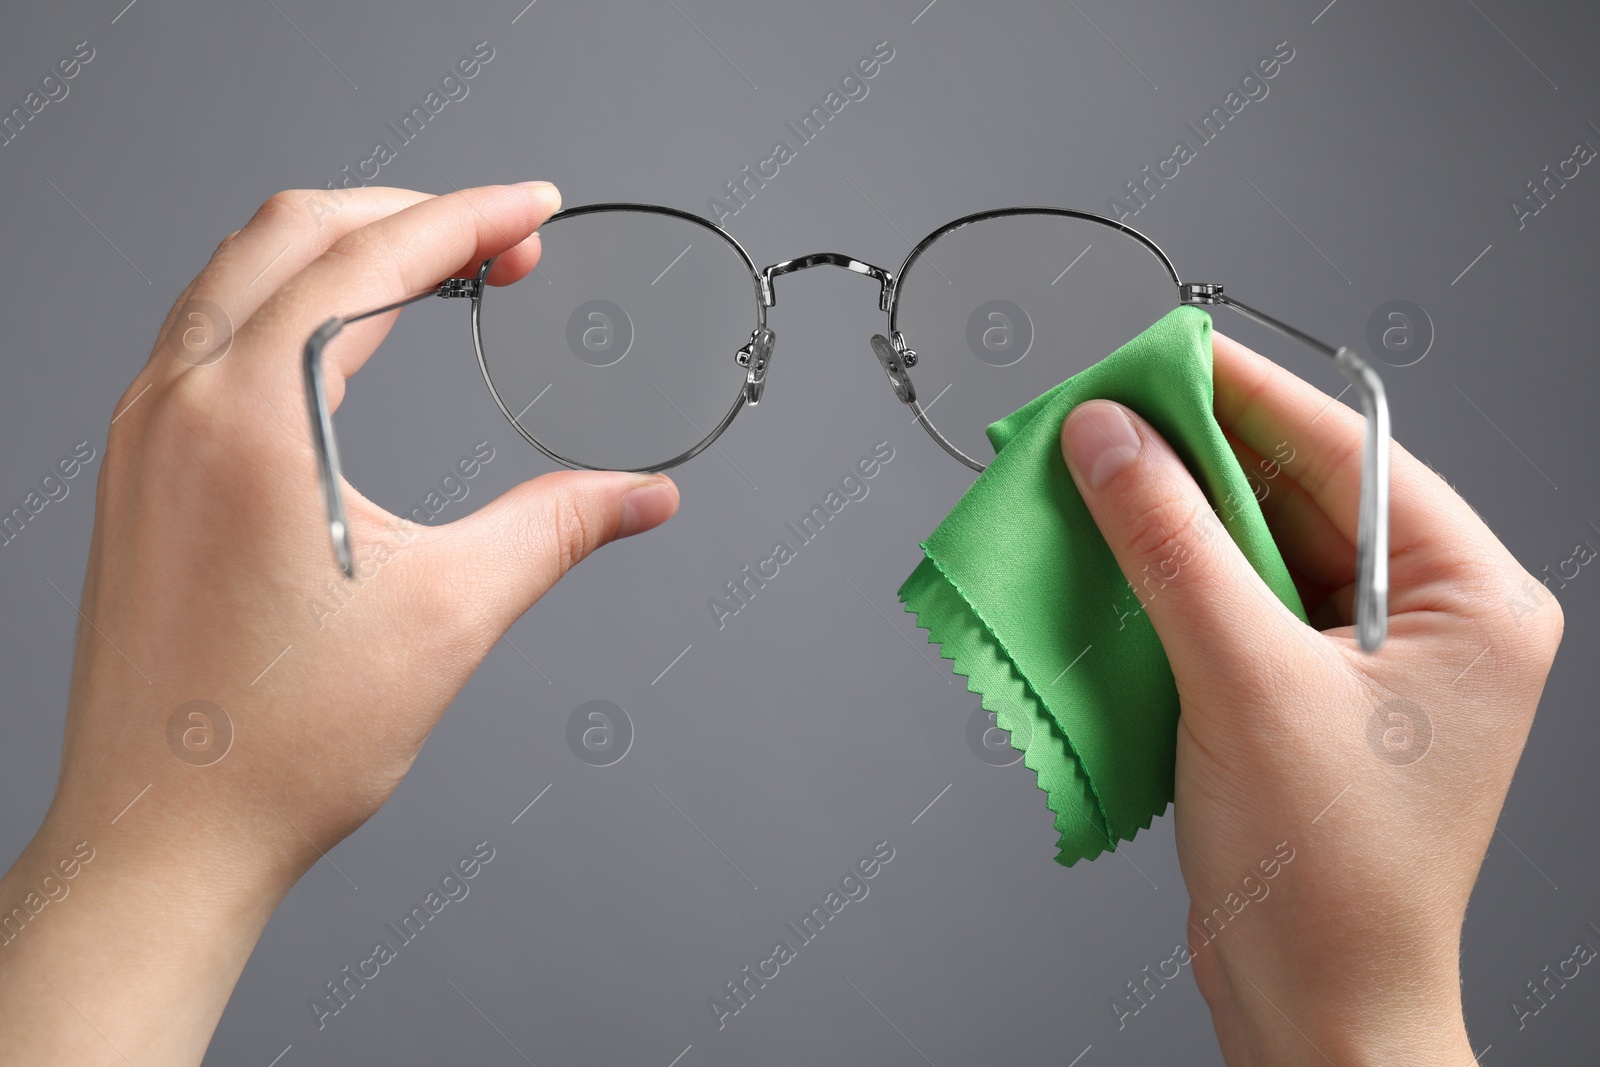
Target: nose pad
[893,362]
[755,357]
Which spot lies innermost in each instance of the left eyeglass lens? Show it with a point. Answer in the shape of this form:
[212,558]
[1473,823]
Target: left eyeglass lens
[618,352]
[1002,309]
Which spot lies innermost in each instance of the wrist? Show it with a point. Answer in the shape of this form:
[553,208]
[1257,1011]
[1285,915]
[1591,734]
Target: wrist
[227,826]
[111,923]
[1289,1015]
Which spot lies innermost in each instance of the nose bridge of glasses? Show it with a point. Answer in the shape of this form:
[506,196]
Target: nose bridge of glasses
[884,278]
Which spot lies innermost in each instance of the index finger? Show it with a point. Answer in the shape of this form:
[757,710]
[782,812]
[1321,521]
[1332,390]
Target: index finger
[1317,442]
[395,257]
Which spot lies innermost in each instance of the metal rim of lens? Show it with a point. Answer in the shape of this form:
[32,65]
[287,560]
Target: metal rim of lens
[590,209]
[1000,213]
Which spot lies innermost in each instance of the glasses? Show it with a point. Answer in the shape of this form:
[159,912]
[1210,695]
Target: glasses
[643,333]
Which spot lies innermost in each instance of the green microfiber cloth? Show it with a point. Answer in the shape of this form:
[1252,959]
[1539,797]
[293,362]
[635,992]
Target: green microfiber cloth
[1022,592]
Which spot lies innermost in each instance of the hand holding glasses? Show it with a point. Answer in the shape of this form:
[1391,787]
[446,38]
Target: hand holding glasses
[636,344]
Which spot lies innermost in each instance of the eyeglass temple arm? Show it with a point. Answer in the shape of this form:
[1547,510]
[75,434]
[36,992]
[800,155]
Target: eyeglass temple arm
[1372,529]
[322,435]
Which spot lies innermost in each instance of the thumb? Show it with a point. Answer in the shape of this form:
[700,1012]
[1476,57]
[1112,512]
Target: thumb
[1216,618]
[513,549]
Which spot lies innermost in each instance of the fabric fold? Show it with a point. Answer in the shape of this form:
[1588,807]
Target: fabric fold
[1023,595]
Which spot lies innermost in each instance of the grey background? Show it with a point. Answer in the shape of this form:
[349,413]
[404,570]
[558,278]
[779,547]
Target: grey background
[819,721]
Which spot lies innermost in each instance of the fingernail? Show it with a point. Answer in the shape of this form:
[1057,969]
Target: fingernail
[532,184]
[1101,440]
[647,506]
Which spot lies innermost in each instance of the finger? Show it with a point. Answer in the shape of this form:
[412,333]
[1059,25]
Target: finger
[286,233]
[1310,543]
[294,227]
[512,265]
[1320,560]
[1279,415]
[506,555]
[1215,616]
[392,258]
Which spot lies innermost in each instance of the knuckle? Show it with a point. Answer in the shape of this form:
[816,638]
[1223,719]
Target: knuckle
[184,426]
[570,531]
[284,209]
[187,409]
[142,383]
[1159,525]
[1520,614]
[224,243]
[1541,632]
[1554,628]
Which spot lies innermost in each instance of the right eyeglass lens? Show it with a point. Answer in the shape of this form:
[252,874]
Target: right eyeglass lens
[1000,310]
[618,351]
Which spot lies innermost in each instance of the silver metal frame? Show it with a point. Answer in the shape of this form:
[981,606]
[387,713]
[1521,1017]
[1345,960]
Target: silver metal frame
[897,360]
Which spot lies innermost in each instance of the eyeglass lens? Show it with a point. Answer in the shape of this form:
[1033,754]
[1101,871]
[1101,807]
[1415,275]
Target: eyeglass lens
[619,351]
[1002,309]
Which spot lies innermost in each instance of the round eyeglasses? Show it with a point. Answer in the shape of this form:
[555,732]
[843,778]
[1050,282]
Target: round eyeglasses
[643,333]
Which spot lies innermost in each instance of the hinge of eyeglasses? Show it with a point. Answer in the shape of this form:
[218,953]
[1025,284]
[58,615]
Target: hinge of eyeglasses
[460,287]
[1200,293]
